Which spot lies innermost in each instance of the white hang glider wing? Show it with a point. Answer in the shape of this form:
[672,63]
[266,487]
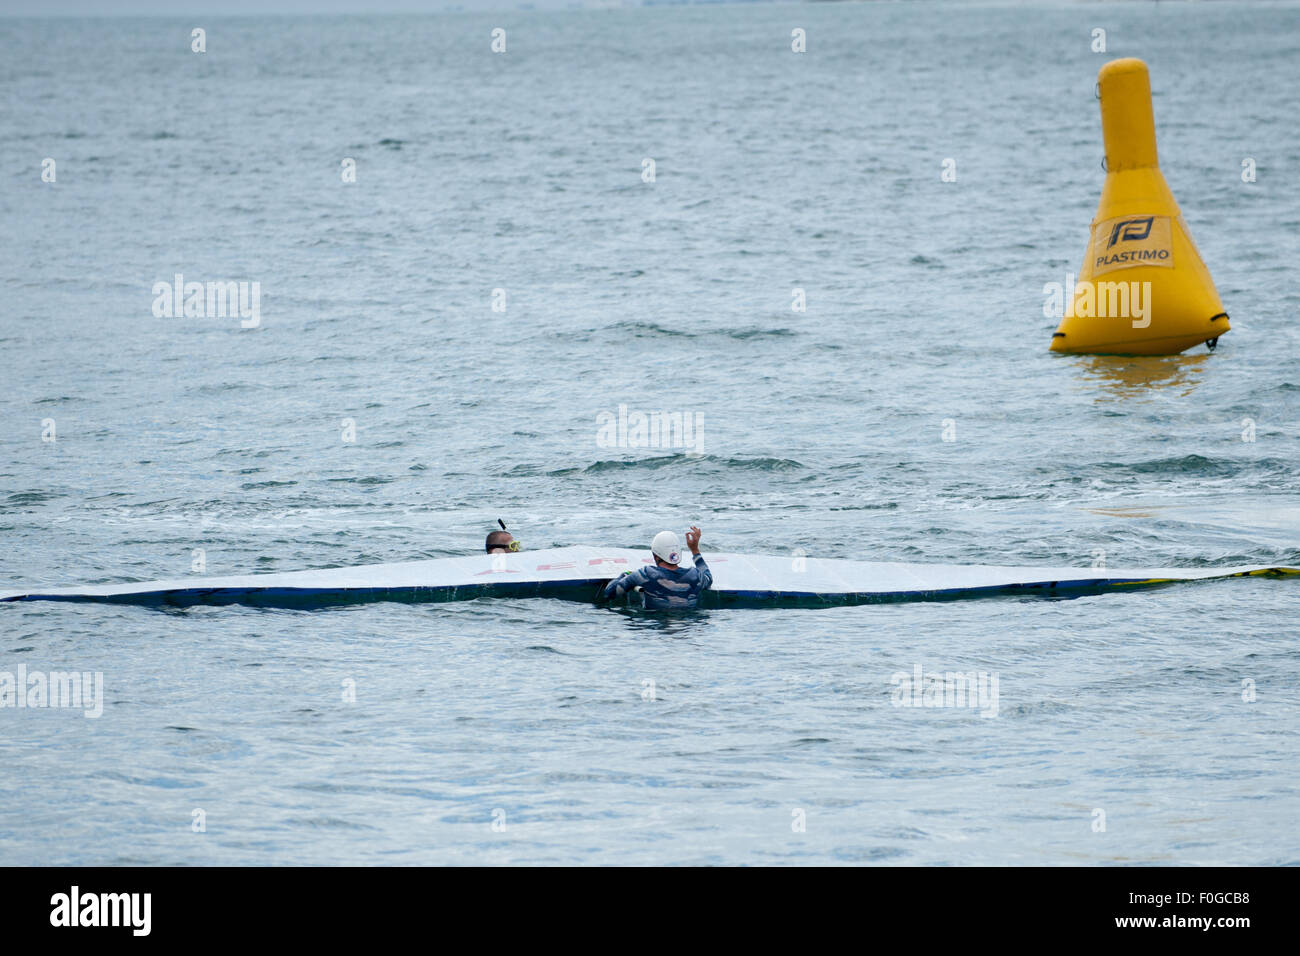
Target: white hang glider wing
[577,573]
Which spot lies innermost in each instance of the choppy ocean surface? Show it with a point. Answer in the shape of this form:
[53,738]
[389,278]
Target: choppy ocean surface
[527,731]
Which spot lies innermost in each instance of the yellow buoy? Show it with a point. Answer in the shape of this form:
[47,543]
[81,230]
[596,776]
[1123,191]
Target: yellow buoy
[1143,289]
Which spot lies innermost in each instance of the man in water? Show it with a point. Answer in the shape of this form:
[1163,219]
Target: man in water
[500,542]
[666,585]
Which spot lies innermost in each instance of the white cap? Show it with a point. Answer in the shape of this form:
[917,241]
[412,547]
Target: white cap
[666,547]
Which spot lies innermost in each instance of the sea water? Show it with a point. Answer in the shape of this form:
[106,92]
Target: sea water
[620,215]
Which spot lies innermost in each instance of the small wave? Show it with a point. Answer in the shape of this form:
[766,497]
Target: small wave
[1196,465]
[867,854]
[328,823]
[665,461]
[653,329]
[743,334]
[643,330]
[31,497]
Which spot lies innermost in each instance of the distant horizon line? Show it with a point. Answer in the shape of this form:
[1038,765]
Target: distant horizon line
[409,8]
[398,8]
[402,8]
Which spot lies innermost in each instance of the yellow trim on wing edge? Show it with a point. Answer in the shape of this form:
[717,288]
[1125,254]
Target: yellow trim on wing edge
[1257,573]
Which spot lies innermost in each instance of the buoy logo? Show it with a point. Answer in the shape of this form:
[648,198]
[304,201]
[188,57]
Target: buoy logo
[1132,241]
[1130,229]
[1172,303]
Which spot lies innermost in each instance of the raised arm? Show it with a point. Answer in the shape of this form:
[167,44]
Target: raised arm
[693,542]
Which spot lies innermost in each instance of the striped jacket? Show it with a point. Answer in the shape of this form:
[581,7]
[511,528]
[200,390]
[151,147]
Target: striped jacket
[665,588]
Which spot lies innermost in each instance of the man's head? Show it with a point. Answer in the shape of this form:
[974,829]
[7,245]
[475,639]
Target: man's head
[500,542]
[666,549]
